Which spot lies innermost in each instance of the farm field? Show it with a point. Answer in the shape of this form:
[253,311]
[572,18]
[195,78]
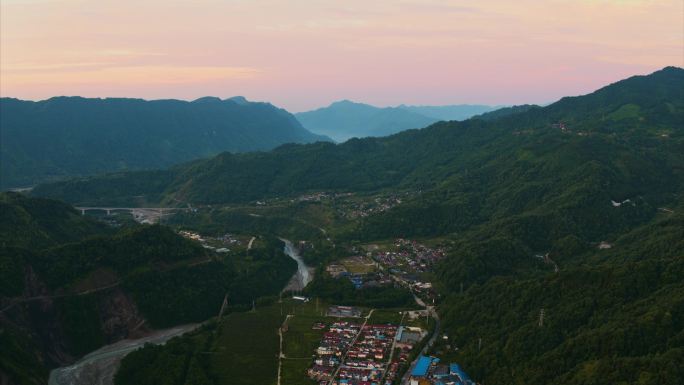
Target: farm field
[247,346]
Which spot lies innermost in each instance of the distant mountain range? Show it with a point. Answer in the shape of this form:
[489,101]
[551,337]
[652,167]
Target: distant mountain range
[73,136]
[639,107]
[346,119]
[573,210]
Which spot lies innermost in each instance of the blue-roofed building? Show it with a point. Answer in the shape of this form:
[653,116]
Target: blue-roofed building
[422,367]
[455,370]
[420,371]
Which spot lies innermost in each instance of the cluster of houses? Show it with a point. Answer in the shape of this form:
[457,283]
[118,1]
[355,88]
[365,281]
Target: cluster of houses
[353,354]
[368,357]
[343,312]
[429,371]
[331,350]
[218,244]
[410,256]
[320,196]
[363,209]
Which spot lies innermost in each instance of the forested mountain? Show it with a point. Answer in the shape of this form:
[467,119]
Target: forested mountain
[38,223]
[69,285]
[345,119]
[451,112]
[624,136]
[606,316]
[574,208]
[505,111]
[72,136]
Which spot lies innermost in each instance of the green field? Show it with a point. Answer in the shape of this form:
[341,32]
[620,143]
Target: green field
[300,341]
[247,347]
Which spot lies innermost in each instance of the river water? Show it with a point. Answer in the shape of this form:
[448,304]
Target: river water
[304,273]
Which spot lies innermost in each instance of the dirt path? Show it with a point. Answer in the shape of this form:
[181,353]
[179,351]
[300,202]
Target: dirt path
[281,355]
[41,297]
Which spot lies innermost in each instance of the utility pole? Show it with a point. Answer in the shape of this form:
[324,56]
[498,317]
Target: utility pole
[461,287]
[541,317]
[479,344]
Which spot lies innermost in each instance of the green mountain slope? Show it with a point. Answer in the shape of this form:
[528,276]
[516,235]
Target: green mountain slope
[39,223]
[69,136]
[609,316]
[69,285]
[599,139]
[528,204]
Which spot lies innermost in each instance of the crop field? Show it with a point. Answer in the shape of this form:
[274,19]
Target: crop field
[358,265]
[247,347]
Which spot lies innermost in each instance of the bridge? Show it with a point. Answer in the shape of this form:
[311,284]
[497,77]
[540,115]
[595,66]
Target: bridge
[109,210]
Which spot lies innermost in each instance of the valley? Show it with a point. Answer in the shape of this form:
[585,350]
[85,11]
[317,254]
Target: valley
[526,247]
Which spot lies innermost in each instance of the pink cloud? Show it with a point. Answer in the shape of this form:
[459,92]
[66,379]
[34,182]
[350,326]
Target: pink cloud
[306,53]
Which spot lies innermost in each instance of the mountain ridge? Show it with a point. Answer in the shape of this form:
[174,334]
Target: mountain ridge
[82,136]
[444,149]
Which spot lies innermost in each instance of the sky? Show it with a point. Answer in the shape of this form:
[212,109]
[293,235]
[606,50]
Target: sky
[304,54]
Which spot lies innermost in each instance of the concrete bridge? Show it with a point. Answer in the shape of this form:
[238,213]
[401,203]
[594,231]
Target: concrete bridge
[109,210]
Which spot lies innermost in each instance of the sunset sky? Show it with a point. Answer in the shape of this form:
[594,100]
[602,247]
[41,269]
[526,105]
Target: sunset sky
[302,54]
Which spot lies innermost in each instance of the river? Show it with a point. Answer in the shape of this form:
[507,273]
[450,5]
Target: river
[99,366]
[304,273]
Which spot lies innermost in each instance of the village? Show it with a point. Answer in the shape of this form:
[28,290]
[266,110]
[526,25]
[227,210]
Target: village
[404,262]
[354,353]
[220,244]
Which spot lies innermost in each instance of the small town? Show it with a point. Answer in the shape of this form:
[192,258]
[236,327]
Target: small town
[361,354]
[355,353]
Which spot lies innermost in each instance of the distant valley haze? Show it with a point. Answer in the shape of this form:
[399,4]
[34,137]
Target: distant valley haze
[345,119]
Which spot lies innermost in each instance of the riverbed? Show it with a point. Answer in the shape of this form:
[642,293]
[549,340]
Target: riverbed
[304,273]
[99,367]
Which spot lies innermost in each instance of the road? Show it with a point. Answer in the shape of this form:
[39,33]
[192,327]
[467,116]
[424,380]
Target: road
[428,345]
[281,355]
[41,297]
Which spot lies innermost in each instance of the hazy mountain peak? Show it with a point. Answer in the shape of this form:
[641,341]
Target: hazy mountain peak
[207,99]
